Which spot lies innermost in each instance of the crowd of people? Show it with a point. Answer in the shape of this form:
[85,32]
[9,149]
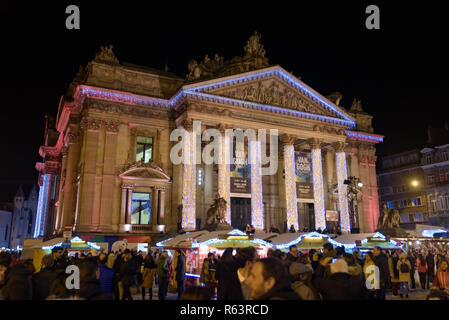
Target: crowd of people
[238,274]
[106,276]
[331,274]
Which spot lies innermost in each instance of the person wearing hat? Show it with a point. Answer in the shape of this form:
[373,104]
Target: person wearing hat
[298,276]
[340,285]
[404,268]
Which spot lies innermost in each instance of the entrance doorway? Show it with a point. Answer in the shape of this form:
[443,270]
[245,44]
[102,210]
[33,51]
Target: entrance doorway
[306,216]
[240,212]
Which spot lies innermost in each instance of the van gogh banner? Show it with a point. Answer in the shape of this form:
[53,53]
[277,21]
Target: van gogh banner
[240,169]
[303,171]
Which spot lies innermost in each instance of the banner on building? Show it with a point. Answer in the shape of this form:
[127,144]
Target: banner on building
[303,171]
[240,169]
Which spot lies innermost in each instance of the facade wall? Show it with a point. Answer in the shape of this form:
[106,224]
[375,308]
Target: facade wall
[5,228]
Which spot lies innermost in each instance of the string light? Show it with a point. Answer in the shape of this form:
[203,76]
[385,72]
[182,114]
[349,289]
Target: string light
[224,176]
[42,206]
[188,182]
[290,186]
[256,186]
[340,158]
[318,190]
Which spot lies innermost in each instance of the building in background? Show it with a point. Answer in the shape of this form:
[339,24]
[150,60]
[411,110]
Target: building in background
[6,210]
[416,182]
[106,166]
[23,217]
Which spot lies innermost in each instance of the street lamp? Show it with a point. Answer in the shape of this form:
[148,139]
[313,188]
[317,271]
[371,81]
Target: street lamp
[353,183]
[415,183]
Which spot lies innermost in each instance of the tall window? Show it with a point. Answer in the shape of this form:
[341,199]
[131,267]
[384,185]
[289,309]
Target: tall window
[428,158]
[404,218]
[144,149]
[430,179]
[141,208]
[444,155]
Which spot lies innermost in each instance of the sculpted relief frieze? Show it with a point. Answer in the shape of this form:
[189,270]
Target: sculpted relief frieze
[272,92]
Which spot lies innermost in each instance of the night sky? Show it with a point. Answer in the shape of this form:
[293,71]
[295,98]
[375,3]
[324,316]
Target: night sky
[399,72]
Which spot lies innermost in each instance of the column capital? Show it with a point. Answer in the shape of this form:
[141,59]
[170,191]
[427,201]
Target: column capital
[222,128]
[315,143]
[339,146]
[127,186]
[187,124]
[286,139]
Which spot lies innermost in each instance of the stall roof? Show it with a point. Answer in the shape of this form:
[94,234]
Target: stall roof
[182,240]
[76,243]
[425,230]
[49,243]
[352,238]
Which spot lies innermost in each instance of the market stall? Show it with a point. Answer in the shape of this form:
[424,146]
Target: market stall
[379,240]
[306,241]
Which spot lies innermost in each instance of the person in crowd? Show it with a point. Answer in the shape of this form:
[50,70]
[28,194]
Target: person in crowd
[60,263]
[305,259]
[412,259]
[111,260]
[248,229]
[126,275]
[58,288]
[422,270]
[292,256]
[441,279]
[90,285]
[245,259]
[381,261]
[368,271]
[196,293]
[181,272]
[208,273]
[149,271]
[226,276]
[314,258]
[404,267]
[357,258]
[354,269]
[16,279]
[292,229]
[274,229]
[340,285]
[162,273]
[394,272]
[268,280]
[117,283]
[328,251]
[106,274]
[430,259]
[298,276]
[41,281]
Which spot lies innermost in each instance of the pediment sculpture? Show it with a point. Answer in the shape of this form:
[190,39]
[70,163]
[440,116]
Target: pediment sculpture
[106,55]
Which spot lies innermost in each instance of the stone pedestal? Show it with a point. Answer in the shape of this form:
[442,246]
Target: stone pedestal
[393,232]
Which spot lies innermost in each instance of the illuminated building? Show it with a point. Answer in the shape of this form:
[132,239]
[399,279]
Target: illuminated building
[107,167]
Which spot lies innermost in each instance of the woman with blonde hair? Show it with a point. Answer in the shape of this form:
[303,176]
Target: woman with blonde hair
[404,266]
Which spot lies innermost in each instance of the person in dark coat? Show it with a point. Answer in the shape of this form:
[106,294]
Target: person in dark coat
[60,262]
[269,280]
[292,256]
[90,285]
[180,272]
[106,274]
[381,261]
[17,283]
[115,280]
[228,286]
[42,280]
[126,275]
[430,258]
[340,285]
[412,259]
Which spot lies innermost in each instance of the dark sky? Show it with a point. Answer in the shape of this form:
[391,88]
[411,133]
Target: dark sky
[399,72]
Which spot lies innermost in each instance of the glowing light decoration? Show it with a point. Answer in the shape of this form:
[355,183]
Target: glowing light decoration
[236,232]
[314,234]
[290,186]
[364,137]
[318,190]
[342,175]
[189,182]
[74,240]
[256,186]
[224,176]
[39,227]
[430,233]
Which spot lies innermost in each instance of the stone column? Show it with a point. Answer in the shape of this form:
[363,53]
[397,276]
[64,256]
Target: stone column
[318,189]
[63,181]
[155,207]
[374,191]
[290,180]
[162,206]
[189,177]
[123,207]
[257,214]
[342,175]
[224,172]
[130,207]
[68,205]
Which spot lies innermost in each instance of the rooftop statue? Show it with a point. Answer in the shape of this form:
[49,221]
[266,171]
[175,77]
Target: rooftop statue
[106,55]
[356,105]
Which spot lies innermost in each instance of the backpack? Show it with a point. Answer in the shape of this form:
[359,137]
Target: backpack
[404,268]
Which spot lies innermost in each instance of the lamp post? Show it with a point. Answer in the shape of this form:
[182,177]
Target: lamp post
[353,183]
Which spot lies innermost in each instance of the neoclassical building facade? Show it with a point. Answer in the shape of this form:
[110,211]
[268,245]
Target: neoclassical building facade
[106,165]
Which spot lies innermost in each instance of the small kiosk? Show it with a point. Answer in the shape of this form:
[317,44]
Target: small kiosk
[307,241]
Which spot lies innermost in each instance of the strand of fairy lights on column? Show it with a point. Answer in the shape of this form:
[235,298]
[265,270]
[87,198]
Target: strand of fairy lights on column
[224,177]
[256,186]
[290,186]
[340,158]
[318,190]
[189,182]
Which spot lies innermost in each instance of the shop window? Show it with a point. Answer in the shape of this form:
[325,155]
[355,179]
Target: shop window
[144,149]
[141,208]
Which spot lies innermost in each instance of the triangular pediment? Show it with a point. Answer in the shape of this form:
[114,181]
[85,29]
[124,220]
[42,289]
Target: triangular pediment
[275,87]
[140,170]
